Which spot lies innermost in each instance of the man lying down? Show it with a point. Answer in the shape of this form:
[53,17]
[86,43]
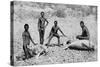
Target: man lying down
[83,42]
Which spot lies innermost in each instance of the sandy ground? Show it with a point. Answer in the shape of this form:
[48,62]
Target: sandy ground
[69,25]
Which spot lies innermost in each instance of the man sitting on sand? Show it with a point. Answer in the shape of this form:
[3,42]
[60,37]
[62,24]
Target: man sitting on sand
[54,33]
[26,41]
[85,33]
[83,43]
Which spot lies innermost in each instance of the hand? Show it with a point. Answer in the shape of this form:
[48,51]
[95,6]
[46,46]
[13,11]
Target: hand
[65,35]
[35,43]
[77,37]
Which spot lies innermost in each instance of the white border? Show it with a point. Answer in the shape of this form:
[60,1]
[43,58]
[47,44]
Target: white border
[5,32]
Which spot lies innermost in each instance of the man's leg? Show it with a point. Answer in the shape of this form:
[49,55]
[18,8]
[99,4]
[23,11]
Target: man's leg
[29,53]
[79,37]
[58,37]
[58,40]
[42,36]
[50,39]
[25,51]
[40,33]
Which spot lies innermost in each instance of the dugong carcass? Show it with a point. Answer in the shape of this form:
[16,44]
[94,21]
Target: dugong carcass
[85,45]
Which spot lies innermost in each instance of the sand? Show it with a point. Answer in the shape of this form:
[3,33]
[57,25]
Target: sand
[69,24]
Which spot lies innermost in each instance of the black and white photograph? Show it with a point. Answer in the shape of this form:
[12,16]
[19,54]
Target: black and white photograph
[45,33]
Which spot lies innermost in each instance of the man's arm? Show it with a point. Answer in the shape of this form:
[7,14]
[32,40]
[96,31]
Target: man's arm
[61,31]
[38,23]
[23,36]
[47,22]
[80,37]
[31,39]
[88,35]
[50,33]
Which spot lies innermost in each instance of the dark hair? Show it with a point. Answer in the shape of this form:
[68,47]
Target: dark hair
[55,21]
[26,25]
[81,22]
[42,12]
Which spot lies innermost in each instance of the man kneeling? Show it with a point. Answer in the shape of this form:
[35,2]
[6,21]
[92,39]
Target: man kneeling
[26,41]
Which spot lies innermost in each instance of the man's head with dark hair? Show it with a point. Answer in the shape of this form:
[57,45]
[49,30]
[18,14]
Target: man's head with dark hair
[26,27]
[42,14]
[82,24]
[55,23]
